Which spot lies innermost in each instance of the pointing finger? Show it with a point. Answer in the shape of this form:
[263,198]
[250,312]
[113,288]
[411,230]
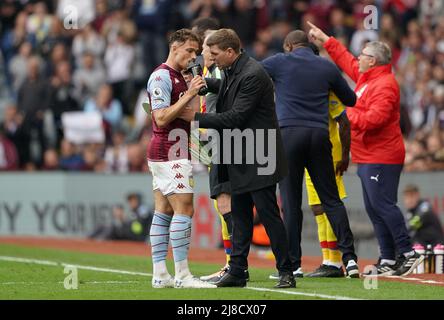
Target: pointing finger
[311,25]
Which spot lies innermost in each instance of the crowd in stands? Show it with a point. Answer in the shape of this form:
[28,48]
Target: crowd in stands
[58,56]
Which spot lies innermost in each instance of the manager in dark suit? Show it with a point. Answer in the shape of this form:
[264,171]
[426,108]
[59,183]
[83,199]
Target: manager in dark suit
[246,102]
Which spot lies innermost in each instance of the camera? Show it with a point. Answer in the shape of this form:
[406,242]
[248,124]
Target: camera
[196,70]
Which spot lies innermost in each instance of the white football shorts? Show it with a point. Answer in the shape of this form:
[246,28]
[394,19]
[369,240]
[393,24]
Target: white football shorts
[171,177]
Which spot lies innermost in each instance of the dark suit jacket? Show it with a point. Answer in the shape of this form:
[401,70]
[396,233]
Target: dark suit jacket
[246,101]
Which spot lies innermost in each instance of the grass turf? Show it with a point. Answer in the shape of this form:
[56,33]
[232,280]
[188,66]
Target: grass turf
[35,281]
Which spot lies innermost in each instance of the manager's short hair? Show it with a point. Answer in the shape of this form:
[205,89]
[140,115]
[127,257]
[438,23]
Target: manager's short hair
[224,39]
[380,51]
[182,35]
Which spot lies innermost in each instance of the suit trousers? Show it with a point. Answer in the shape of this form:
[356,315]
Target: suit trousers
[311,148]
[242,214]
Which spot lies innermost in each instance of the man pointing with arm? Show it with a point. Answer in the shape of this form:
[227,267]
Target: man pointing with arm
[377,147]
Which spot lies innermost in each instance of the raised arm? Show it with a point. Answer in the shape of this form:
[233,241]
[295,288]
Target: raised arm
[339,54]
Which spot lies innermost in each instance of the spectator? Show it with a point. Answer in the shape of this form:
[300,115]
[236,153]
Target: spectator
[62,97]
[88,40]
[33,102]
[8,154]
[119,57]
[105,104]
[39,23]
[136,158]
[70,159]
[14,130]
[101,15]
[50,160]
[422,222]
[88,77]
[90,157]
[12,39]
[18,66]
[152,20]
[116,156]
[338,27]
[58,54]
[141,214]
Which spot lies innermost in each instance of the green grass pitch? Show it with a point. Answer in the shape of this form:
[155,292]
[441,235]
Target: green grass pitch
[44,278]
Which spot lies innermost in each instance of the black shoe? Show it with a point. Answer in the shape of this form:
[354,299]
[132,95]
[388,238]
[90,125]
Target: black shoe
[286,281]
[334,272]
[319,272]
[325,271]
[407,265]
[228,280]
[381,269]
[297,274]
[247,276]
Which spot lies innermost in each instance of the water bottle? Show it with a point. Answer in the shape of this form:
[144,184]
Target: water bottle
[421,251]
[438,250]
[429,260]
[196,69]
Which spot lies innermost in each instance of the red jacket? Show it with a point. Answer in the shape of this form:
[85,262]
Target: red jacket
[375,131]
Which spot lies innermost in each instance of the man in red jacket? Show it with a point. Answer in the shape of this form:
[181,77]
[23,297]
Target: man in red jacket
[377,147]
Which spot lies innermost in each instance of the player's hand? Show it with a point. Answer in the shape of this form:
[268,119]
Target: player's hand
[195,84]
[342,166]
[187,114]
[316,35]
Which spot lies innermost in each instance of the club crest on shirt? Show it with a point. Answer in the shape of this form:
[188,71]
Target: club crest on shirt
[157,92]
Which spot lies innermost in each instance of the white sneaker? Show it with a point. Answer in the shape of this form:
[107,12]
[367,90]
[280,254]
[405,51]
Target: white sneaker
[163,283]
[192,282]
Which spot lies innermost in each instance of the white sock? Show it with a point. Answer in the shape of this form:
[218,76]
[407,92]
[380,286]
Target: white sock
[160,270]
[181,269]
[388,261]
[409,254]
[326,262]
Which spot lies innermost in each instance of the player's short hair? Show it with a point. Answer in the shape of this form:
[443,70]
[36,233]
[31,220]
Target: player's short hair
[202,25]
[182,35]
[224,39]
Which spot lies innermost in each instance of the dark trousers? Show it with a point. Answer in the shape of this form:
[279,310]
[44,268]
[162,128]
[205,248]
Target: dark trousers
[380,190]
[311,148]
[242,214]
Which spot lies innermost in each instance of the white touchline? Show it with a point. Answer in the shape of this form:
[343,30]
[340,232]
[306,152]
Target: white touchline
[14,259]
[61,282]
[52,263]
[318,295]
